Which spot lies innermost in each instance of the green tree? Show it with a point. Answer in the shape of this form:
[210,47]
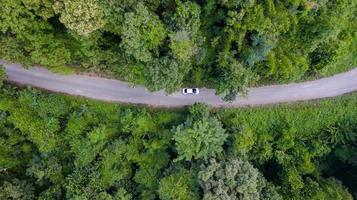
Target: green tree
[181,185]
[142,34]
[15,149]
[284,63]
[46,167]
[232,179]
[114,165]
[87,147]
[40,131]
[17,189]
[16,18]
[199,111]
[81,16]
[122,194]
[329,188]
[185,36]
[41,8]
[267,190]
[182,46]
[49,51]
[258,50]
[83,183]
[234,78]
[165,73]
[2,75]
[52,106]
[199,139]
[244,139]
[12,50]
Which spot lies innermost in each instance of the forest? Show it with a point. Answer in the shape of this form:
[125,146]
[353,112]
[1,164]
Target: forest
[60,147]
[227,45]
[57,147]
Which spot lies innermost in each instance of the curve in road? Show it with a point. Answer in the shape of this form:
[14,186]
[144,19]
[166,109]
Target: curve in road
[118,91]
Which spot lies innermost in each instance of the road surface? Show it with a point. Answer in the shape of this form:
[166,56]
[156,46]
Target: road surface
[118,91]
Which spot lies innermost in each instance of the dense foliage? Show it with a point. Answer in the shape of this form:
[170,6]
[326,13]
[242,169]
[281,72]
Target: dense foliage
[234,179]
[2,75]
[224,44]
[199,138]
[56,147]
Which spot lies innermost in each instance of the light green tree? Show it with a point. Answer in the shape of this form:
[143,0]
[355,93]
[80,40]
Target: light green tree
[244,139]
[164,73]
[81,16]
[178,186]
[142,33]
[114,166]
[199,139]
[182,46]
[185,36]
[42,8]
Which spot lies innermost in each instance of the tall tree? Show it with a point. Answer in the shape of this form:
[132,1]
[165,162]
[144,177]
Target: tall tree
[17,189]
[234,78]
[181,185]
[185,35]
[199,139]
[232,179]
[165,73]
[81,16]
[2,74]
[143,33]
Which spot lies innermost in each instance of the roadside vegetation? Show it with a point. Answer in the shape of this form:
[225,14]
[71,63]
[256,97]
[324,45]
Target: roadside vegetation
[58,147]
[223,44]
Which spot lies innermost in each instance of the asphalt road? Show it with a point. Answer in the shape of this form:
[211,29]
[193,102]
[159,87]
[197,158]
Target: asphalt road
[118,91]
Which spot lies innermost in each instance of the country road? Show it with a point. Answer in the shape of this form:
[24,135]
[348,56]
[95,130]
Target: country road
[118,91]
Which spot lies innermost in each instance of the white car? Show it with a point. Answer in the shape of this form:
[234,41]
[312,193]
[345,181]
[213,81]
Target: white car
[190,91]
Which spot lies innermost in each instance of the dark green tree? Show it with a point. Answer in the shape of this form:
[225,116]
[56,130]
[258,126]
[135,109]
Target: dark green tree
[15,151]
[17,189]
[2,75]
[258,50]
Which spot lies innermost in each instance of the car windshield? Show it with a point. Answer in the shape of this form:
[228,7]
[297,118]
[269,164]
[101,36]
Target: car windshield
[193,90]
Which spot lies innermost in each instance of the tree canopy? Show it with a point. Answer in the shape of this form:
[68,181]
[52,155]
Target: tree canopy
[233,179]
[82,17]
[2,75]
[199,138]
[58,147]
